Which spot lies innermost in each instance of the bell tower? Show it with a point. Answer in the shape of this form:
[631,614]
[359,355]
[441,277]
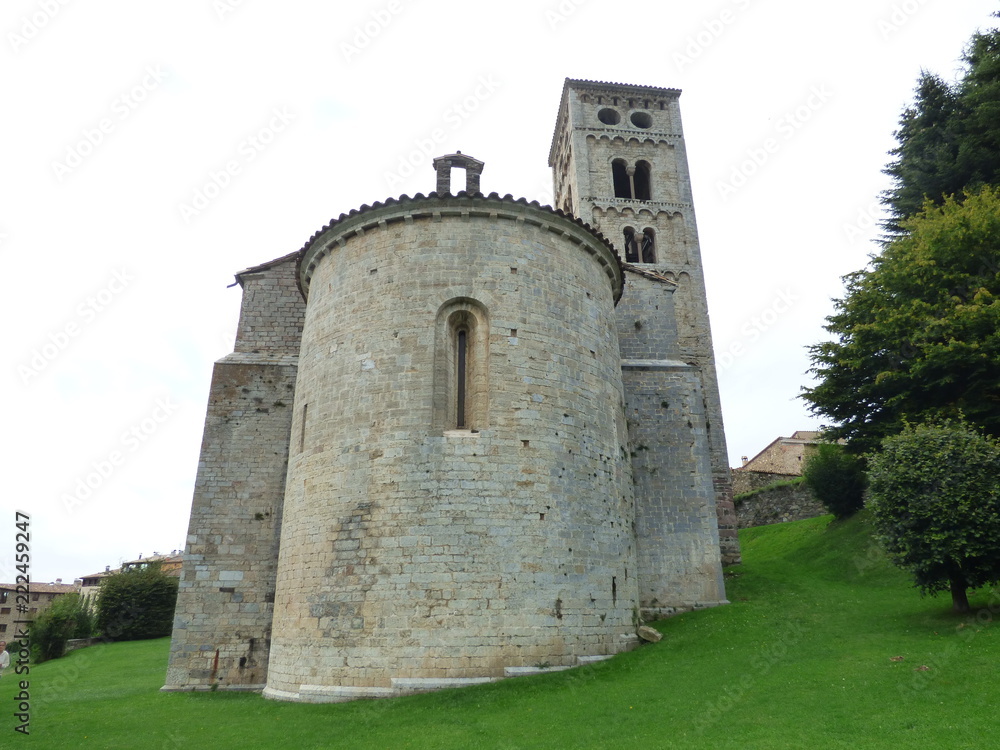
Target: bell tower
[619,163]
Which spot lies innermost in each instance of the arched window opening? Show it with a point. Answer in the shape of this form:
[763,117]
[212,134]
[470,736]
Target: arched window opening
[461,367]
[642,186]
[623,185]
[648,246]
[631,248]
[444,165]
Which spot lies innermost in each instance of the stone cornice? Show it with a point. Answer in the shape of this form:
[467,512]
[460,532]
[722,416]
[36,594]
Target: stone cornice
[259,358]
[434,206]
[629,134]
[622,89]
[636,204]
[671,365]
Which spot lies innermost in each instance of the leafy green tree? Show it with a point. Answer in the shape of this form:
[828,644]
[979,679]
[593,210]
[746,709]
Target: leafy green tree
[918,332]
[836,478]
[69,616]
[948,140]
[934,495]
[136,604]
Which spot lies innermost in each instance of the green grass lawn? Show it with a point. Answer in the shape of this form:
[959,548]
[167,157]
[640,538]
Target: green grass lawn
[802,658]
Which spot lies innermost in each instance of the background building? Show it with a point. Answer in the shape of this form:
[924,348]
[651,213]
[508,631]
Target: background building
[41,597]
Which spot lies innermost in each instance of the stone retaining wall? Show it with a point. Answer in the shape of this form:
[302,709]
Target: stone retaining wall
[778,505]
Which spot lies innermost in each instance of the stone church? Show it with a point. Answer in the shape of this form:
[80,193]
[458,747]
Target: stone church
[462,434]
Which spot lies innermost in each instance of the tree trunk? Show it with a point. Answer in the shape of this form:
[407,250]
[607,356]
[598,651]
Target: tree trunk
[959,595]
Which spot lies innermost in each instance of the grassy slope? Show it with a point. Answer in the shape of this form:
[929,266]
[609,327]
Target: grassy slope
[801,658]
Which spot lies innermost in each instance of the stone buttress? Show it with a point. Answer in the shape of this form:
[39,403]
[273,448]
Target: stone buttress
[222,624]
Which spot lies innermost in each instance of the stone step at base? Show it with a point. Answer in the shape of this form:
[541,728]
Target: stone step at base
[420,684]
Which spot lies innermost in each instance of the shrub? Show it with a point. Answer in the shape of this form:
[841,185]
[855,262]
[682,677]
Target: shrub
[935,501]
[136,604]
[836,478]
[69,616]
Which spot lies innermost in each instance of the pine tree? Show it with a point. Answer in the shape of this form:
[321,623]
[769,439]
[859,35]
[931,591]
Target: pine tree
[949,138]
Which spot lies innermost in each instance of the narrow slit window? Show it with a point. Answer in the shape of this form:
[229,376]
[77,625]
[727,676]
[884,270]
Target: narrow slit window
[461,367]
[461,355]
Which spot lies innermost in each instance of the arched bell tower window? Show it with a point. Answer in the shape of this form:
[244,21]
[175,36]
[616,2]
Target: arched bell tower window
[619,173]
[642,185]
[648,251]
[632,182]
[461,366]
[631,246]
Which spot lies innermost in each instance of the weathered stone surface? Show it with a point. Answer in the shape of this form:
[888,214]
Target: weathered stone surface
[412,549]
[457,458]
[224,636]
[779,505]
[640,127]
[649,634]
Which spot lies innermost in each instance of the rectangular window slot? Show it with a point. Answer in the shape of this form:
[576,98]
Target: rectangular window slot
[461,378]
[525,443]
[227,590]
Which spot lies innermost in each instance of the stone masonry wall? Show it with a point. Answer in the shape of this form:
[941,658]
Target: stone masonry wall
[410,552]
[222,623]
[645,125]
[676,520]
[676,525]
[647,322]
[272,309]
[747,481]
[778,505]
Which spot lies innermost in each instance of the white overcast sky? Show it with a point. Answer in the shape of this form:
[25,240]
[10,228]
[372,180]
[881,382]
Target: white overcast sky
[118,112]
